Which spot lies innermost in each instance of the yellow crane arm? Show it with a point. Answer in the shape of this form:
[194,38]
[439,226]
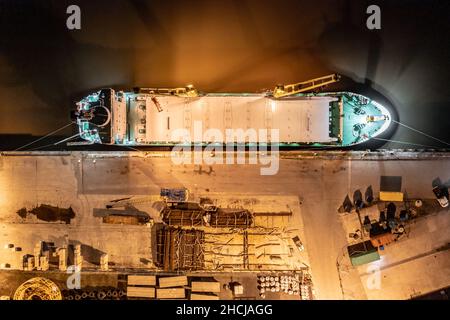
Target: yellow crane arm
[189,91]
[291,89]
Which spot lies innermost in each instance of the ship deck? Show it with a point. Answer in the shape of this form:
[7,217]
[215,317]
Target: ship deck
[207,119]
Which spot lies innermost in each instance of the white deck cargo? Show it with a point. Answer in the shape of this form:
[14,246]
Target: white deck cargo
[303,119]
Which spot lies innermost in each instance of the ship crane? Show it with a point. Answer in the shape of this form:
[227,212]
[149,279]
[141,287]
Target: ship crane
[281,90]
[156,102]
[187,92]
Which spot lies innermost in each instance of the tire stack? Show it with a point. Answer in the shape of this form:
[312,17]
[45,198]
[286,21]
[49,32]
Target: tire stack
[97,293]
[268,284]
[289,284]
[305,292]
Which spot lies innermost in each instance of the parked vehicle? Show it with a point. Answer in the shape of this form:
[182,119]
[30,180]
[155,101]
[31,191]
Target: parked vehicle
[441,195]
[298,243]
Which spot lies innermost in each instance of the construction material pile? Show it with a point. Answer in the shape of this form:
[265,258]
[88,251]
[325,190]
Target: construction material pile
[38,289]
[179,249]
[191,214]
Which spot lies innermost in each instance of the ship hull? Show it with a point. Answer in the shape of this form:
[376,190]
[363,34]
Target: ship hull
[334,119]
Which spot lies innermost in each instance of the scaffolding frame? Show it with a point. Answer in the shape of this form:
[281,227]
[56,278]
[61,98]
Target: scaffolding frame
[180,249]
[221,218]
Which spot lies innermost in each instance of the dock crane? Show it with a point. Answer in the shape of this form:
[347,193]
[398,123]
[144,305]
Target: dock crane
[281,90]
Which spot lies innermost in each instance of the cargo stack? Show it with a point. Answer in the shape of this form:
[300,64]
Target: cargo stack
[78,258]
[43,262]
[104,262]
[141,286]
[37,255]
[29,265]
[205,290]
[172,287]
[62,259]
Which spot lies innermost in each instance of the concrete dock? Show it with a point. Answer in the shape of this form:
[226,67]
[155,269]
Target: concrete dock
[319,181]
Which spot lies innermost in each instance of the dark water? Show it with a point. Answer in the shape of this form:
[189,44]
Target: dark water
[232,45]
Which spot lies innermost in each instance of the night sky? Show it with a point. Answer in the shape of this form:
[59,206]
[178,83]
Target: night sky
[223,46]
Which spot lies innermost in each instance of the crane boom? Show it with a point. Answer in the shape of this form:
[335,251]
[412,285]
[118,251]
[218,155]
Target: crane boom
[295,88]
[187,92]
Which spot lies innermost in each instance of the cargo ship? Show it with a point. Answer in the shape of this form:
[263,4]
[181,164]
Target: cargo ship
[299,114]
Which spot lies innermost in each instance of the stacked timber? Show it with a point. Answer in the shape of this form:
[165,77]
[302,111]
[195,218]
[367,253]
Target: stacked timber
[141,280]
[204,290]
[37,255]
[205,286]
[172,287]
[189,215]
[43,263]
[62,259]
[141,292]
[104,262]
[202,296]
[121,219]
[170,293]
[29,265]
[168,282]
[141,286]
[235,218]
[78,258]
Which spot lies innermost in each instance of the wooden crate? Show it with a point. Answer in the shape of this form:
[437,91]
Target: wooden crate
[199,296]
[170,293]
[203,286]
[168,282]
[141,280]
[140,292]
